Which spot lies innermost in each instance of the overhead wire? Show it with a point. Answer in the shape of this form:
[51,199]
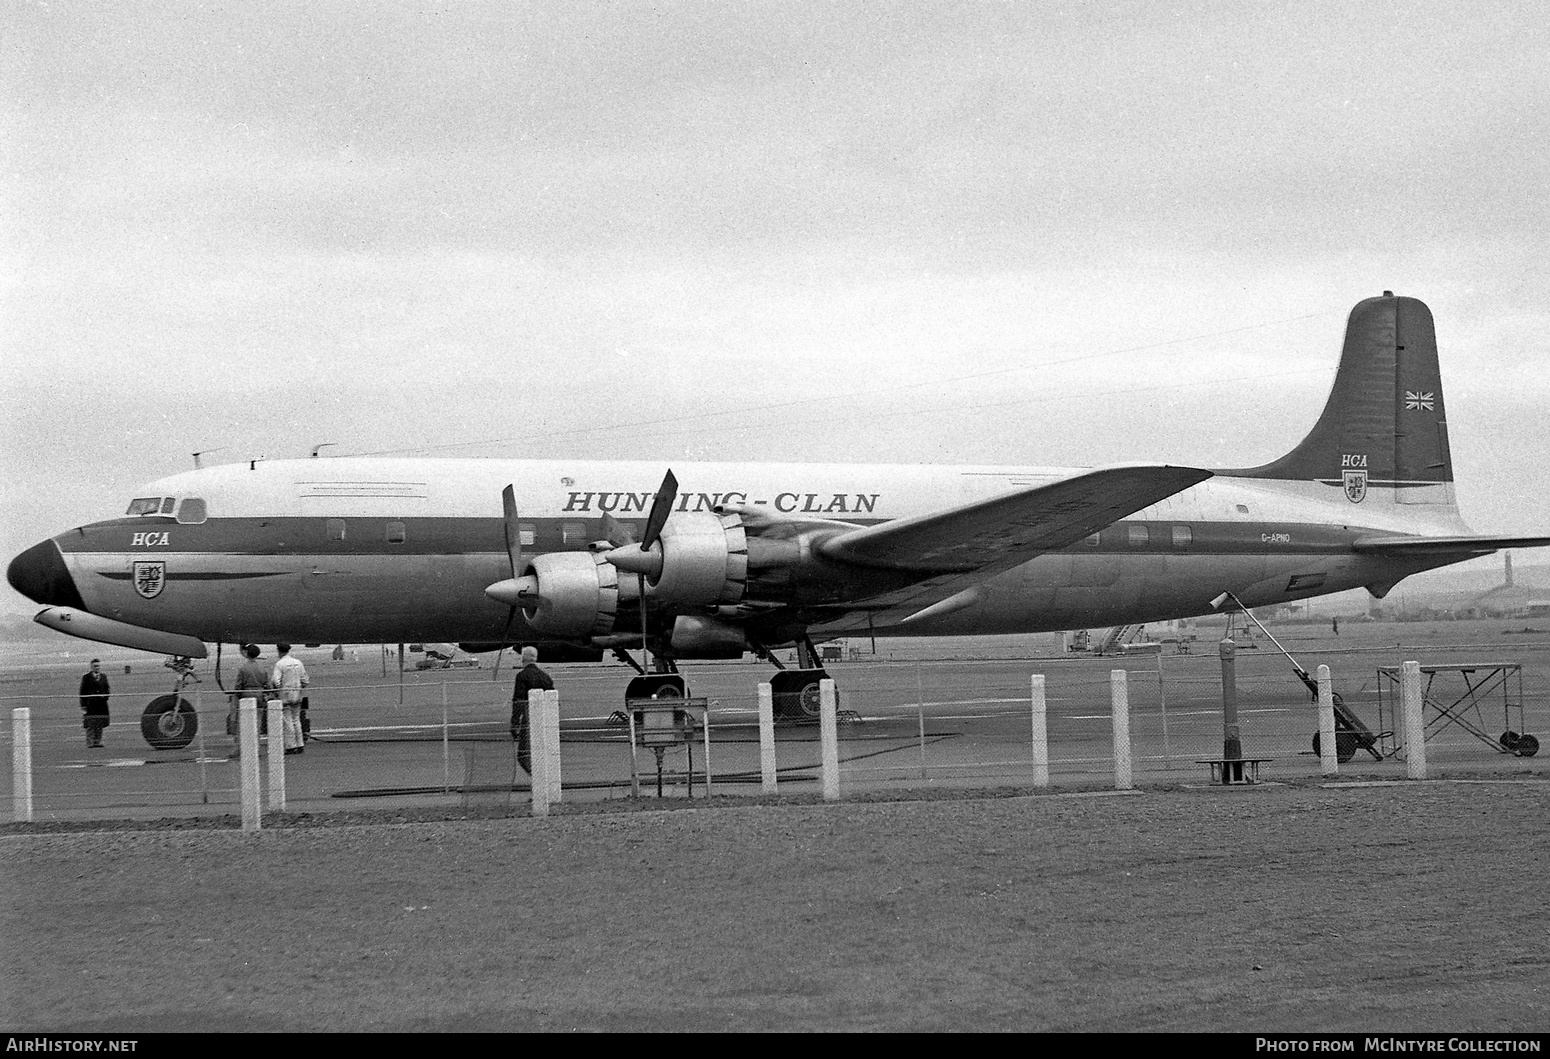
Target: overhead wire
[938,382]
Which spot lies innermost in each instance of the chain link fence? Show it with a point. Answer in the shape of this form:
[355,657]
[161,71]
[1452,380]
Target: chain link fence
[444,737]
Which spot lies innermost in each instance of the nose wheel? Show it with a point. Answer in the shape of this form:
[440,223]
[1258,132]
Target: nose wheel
[169,722]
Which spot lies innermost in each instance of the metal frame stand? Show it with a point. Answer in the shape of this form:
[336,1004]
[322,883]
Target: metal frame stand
[661,724]
[1444,707]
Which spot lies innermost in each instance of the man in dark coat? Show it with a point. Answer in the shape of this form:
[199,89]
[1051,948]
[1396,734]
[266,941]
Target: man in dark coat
[94,703]
[529,678]
[252,683]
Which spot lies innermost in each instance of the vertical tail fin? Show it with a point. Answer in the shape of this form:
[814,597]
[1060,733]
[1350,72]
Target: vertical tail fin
[1384,426]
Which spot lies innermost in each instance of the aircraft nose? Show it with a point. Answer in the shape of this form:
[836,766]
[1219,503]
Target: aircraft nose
[40,574]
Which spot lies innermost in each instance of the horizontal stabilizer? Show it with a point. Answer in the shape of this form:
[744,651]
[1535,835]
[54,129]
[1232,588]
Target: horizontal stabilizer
[996,534]
[1460,546]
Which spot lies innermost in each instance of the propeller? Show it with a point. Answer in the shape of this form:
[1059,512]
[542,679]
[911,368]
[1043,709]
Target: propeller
[643,559]
[515,588]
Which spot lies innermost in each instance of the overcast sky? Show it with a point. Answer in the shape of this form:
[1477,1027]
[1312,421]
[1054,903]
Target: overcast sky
[1032,233]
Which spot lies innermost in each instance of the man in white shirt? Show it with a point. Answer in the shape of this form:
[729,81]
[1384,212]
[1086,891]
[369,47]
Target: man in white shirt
[288,680]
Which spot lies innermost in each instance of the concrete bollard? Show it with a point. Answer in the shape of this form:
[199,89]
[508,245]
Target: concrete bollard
[552,726]
[1415,725]
[829,740]
[275,718]
[538,752]
[1119,697]
[247,763]
[1040,733]
[1329,758]
[21,764]
[767,771]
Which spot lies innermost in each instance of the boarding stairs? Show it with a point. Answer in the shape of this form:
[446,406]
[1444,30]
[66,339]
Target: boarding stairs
[1115,639]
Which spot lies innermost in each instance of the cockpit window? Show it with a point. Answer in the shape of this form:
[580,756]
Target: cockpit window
[192,511]
[144,505]
[166,505]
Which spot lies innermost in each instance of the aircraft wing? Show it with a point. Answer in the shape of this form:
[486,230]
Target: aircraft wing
[1461,546]
[956,550]
[989,536]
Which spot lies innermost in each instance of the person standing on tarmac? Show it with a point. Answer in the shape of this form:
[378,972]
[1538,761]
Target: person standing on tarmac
[529,678]
[94,703]
[289,678]
[251,683]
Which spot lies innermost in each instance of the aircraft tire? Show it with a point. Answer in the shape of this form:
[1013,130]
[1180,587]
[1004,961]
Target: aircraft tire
[1345,746]
[1527,746]
[796,693]
[1509,741]
[169,723]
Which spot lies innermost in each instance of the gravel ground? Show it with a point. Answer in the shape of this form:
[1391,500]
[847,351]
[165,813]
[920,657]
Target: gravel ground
[1408,907]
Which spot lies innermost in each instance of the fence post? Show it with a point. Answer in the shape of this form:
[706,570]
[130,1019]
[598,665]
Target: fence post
[767,773]
[247,763]
[920,716]
[21,764]
[1415,727]
[1119,697]
[552,723]
[1040,734]
[1329,757]
[538,752]
[706,733]
[275,718]
[1232,740]
[199,733]
[828,738]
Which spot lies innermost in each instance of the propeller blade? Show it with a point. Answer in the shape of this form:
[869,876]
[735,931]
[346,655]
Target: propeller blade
[615,532]
[661,507]
[513,531]
[514,557]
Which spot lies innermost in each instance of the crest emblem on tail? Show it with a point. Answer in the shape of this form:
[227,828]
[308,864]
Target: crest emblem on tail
[1355,485]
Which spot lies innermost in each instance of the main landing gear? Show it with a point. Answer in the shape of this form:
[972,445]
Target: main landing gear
[795,691]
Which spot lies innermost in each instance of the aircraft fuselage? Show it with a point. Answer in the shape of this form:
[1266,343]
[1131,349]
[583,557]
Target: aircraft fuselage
[395,550]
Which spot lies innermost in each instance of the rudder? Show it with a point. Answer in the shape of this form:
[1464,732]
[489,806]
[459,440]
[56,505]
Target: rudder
[1384,426]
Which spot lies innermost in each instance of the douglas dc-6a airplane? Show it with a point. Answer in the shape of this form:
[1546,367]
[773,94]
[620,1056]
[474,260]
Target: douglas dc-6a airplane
[586,557]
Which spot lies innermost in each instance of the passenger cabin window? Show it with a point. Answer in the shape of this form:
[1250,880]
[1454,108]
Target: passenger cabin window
[144,505]
[527,532]
[333,529]
[573,533]
[1137,535]
[395,533]
[1091,541]
[192,511]
[1183,537]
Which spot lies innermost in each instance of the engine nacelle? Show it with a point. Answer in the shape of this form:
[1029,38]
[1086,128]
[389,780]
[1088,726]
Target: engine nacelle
[700,560]
[696,637]
[577,596]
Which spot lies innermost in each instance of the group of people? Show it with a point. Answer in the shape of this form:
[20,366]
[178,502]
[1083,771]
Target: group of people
[256,679]
[284,681]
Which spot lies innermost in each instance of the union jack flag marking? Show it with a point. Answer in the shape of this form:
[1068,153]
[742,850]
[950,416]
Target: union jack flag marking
[1420,400]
